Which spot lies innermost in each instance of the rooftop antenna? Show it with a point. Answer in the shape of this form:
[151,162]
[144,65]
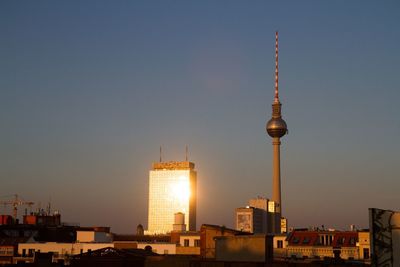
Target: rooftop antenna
[49,206]
[39,207]
[160,154]
[276,99]
[186,155]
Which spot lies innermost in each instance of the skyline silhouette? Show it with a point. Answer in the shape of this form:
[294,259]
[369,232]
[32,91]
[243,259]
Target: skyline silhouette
[89,91]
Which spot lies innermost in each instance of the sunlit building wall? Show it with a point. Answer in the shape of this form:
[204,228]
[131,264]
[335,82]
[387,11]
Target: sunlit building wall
[172,189]
[250,219]
[270,220]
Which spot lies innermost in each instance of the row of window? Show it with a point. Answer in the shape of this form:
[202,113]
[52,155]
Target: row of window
[313,250]
[31,251]
[324,240]
[196,242]
[6,251]
[310,250]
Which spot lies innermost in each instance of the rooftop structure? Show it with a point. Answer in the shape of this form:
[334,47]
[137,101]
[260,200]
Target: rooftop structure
[173,165]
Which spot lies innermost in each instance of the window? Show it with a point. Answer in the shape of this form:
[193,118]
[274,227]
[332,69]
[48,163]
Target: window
[306,240]
[280,244]
[295,240]
[4,251]
[186,242]
[197,242]
[366,253]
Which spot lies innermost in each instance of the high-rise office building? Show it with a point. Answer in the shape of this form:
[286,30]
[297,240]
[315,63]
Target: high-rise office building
[172,189]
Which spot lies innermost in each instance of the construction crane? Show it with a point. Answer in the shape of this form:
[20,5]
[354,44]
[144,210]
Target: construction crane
[15,203]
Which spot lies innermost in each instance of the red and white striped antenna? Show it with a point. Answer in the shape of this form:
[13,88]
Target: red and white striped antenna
[276,99]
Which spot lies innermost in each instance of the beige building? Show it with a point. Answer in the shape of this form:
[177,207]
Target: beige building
[364,245]
[172,189]
[347,245]
[184,243]
[62,251]
[208,233]
[87,239]
[6,254]
[280,246]
[244,248]
[160,248]
[189,243]
[93,236]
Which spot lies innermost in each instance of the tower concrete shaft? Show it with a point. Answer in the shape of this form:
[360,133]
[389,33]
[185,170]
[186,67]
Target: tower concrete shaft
[276,178]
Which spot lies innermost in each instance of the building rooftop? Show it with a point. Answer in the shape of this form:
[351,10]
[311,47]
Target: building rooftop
[173,165]
[189,233]
[110,252]
[103,229]
[222,229]
[142,238]
[312,238]
[40,233]
[12,241]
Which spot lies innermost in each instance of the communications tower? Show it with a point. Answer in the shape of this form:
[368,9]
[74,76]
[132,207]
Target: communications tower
[276,128]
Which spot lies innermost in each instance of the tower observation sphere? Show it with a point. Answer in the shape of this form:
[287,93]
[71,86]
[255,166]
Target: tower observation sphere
[276,127]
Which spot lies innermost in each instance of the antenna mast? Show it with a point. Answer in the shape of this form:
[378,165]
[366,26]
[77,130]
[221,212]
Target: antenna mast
[276,99]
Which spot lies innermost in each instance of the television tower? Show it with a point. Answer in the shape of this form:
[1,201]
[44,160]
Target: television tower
[276,128]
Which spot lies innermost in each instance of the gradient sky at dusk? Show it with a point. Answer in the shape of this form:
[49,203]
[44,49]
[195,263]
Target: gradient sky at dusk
[89,90]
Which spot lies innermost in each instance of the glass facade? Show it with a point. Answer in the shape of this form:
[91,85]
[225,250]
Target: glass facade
[172,189]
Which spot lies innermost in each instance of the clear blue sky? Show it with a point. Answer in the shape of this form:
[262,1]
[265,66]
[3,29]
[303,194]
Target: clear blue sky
[90,89]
